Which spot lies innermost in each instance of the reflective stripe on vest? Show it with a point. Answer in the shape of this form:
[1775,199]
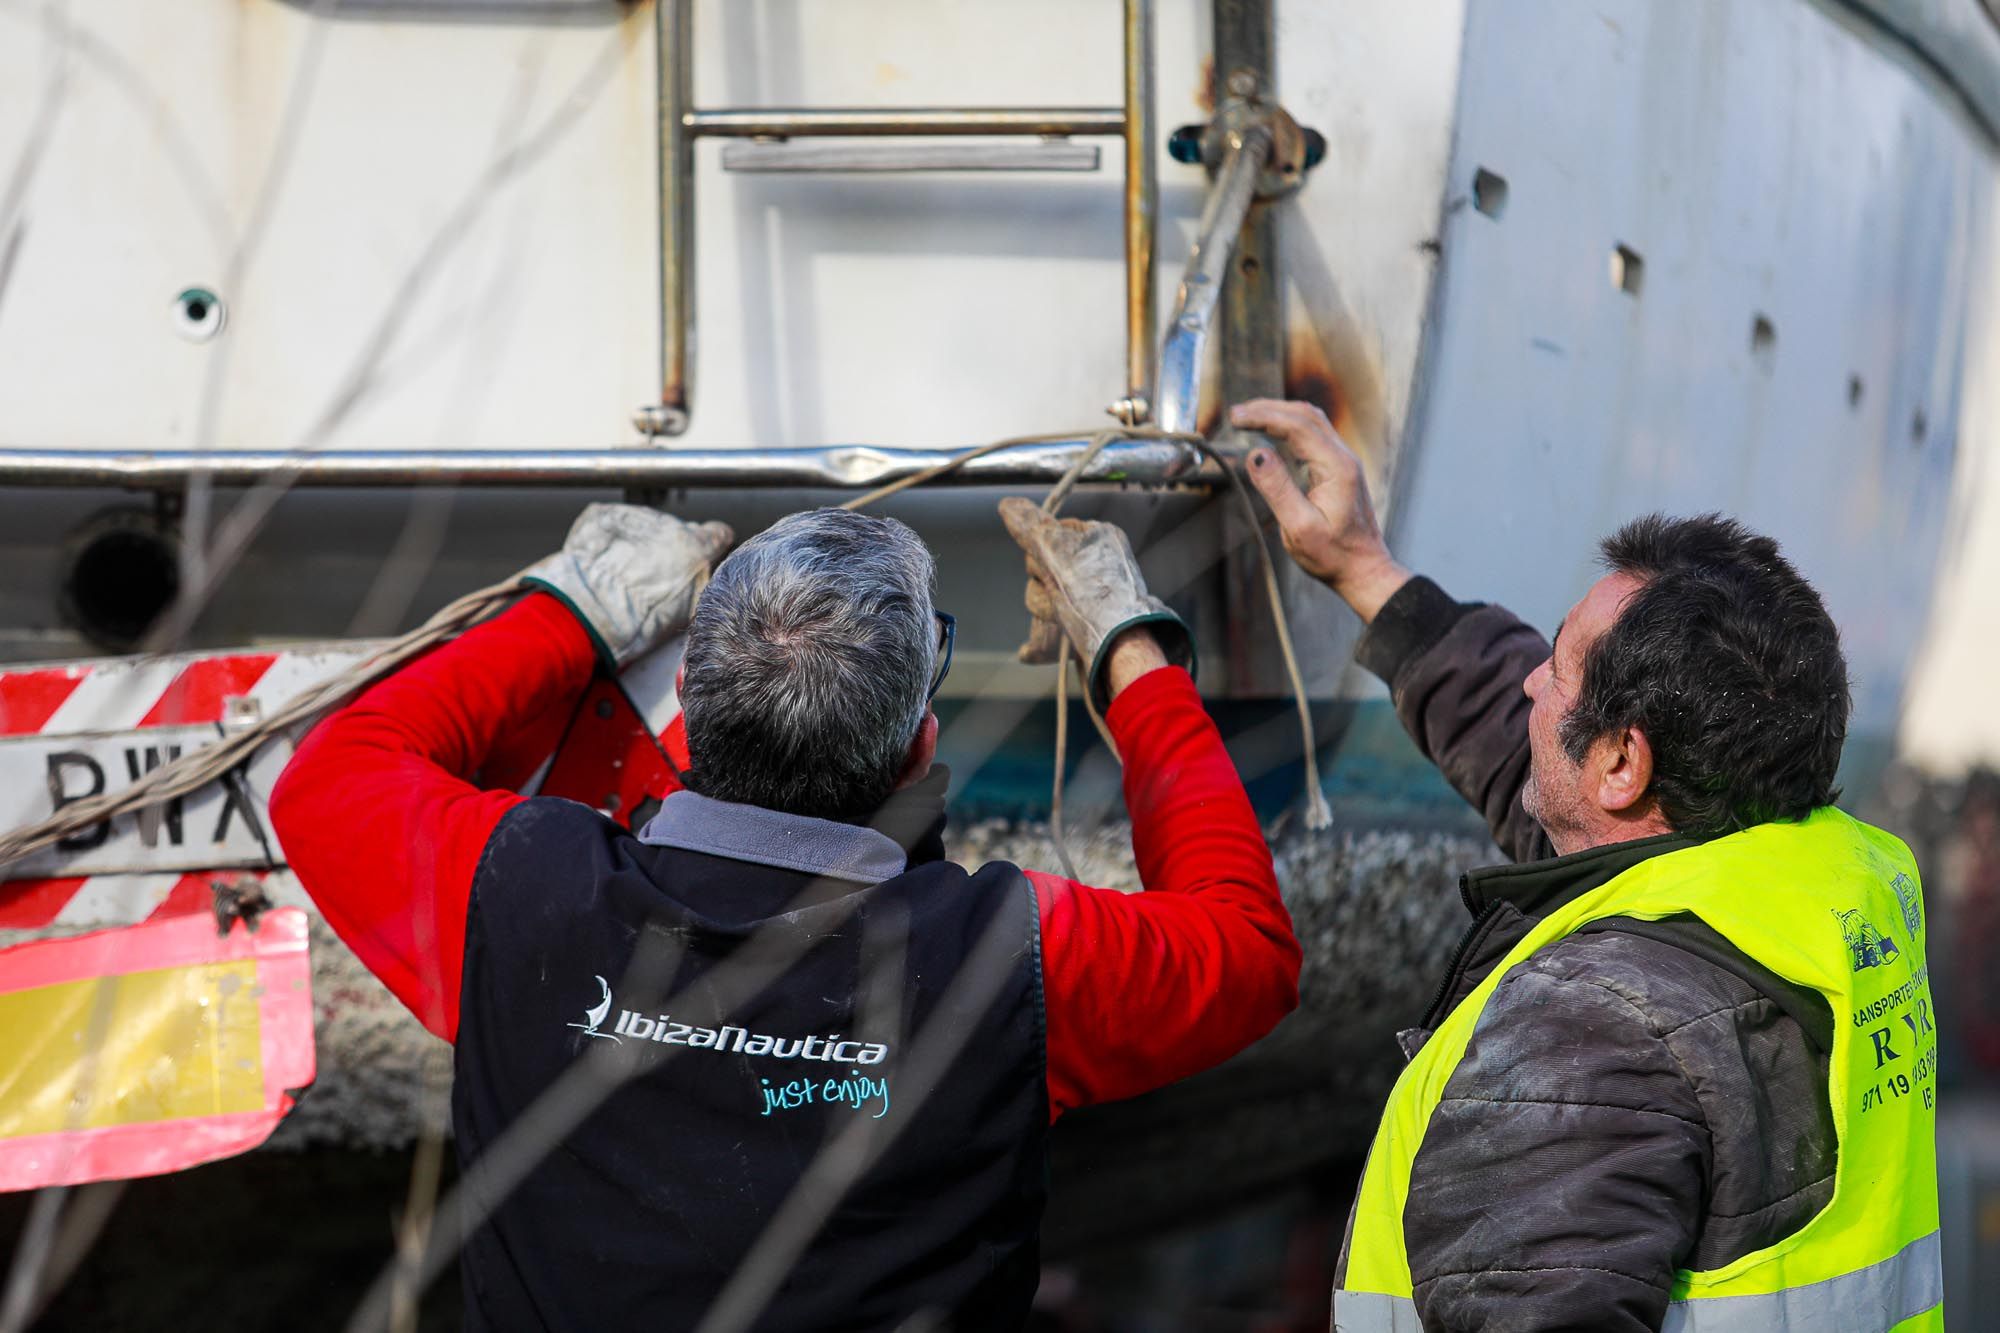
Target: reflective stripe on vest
[1826,902]
[1372,1312]
[1868,1300]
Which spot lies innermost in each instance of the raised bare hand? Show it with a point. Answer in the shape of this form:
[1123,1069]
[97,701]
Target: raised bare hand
[1329,528]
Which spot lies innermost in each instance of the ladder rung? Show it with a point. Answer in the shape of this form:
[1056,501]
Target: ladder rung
[1057,155]
[909,122]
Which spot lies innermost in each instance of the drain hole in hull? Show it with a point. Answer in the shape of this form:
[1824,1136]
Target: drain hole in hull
[121,571]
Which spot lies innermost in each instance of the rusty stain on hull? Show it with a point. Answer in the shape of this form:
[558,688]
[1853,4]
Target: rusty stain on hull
[1335,371]
[1331,358]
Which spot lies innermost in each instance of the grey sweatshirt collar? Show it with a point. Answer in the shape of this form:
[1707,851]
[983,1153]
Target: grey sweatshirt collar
[697,823]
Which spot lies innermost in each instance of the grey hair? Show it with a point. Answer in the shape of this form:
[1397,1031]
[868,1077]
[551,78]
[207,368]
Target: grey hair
[808,662]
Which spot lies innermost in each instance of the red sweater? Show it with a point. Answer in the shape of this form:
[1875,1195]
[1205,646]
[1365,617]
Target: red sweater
[383,821]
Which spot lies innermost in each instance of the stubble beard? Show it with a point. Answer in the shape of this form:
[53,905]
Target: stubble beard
[1555,805]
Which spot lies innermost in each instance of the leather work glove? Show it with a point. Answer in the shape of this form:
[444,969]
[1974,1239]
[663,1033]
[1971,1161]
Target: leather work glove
[1084,581]
[631,575]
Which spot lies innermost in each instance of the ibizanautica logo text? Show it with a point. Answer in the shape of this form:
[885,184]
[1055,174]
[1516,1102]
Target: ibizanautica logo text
[665,1030]
[734,1039]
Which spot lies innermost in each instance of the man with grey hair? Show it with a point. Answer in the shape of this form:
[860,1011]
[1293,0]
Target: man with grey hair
[829,1057]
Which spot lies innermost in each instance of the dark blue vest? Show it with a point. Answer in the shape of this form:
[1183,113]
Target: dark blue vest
[758,1042]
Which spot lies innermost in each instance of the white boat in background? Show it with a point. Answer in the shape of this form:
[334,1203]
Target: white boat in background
[316,315]
[1562,261]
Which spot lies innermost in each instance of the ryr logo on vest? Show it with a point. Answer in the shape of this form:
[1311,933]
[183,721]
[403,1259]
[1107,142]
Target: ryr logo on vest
[663,1029]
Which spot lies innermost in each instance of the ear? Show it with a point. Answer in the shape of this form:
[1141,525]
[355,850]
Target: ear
[1622,772]
[923,750]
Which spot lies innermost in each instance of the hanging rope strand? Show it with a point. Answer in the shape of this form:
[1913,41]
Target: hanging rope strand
[1319,815]
[1056,834]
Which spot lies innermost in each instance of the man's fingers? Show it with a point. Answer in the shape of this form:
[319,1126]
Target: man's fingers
[1300,429]
[1274,414]
[1025,521]
[1044,643]
[1296,514]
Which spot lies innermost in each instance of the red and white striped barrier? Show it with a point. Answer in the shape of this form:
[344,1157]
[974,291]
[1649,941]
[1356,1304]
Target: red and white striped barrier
[72,730]
[76,729]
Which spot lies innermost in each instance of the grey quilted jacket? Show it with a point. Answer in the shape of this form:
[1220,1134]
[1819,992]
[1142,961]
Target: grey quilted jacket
[1638,1098]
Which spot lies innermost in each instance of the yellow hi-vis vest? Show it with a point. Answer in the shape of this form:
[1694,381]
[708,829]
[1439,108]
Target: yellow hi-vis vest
[1829,903]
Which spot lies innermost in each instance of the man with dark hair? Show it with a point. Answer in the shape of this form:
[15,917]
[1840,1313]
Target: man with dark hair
[1681,1071]
[770,1060]
[1728,663]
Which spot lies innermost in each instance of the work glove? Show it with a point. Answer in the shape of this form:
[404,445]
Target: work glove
[631,575]
[1084,582]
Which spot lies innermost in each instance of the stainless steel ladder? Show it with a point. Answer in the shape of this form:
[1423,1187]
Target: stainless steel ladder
[682,122]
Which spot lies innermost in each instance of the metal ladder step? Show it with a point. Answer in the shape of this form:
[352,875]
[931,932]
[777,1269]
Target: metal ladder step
[782,155]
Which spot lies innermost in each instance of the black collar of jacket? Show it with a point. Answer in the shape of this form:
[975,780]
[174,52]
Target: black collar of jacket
[1533,889]
[913,817]
[1536,888]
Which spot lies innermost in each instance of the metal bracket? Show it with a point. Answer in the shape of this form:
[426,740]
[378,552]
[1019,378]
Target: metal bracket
[1182,353]
[238,898]
[1255,151]
[1295,149]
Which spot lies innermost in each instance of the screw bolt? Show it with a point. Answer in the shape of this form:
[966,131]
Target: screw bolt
[656,419]
[1131,410]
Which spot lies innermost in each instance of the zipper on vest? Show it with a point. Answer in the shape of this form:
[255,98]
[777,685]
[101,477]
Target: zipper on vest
[1431,1015]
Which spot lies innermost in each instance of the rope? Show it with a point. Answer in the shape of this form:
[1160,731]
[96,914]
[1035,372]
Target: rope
[1319,815]
[1062,757]
[198,768]
[1051,504]
[957,461]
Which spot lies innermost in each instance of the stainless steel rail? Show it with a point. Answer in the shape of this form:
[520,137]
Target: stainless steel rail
[1181,354]
[674,24]
[834,467]
[1142,211]
[681,123]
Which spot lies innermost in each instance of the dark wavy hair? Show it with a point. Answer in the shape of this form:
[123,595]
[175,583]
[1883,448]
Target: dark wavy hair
[1728,662]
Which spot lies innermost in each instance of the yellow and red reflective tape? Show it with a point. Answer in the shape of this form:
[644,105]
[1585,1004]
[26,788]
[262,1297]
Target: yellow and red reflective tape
[150,1048]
